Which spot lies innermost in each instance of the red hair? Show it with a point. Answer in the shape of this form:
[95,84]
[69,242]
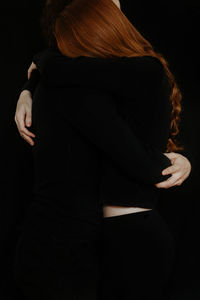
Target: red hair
[98,28]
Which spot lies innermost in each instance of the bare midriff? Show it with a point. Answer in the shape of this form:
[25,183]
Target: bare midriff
[111,211]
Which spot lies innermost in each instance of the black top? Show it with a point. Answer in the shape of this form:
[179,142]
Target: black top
[101,126]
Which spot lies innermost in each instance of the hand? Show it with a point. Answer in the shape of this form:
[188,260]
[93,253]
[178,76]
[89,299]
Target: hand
[23,116]
[31,68]
[180,170]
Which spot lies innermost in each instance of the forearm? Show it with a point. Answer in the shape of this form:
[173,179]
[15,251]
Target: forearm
[39,57]
[94,114]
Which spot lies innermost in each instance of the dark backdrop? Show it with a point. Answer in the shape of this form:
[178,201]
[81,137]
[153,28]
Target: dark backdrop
[173,29]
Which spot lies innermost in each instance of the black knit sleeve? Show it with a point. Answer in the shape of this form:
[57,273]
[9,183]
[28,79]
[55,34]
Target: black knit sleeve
[39,57]
[94,114]
[31,84]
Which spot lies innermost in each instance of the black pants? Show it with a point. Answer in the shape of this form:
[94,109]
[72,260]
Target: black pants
[136,252]
[58,263]
[138,255]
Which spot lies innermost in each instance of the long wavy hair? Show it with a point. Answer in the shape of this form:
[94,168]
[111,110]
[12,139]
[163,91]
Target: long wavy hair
[98,28]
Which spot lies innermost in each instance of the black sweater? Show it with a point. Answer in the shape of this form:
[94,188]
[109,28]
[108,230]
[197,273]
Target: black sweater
[101,127]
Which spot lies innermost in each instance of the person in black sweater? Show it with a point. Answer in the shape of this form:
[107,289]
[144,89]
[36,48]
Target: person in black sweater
[96,145]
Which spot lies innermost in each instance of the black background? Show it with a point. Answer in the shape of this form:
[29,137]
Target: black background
[173,29]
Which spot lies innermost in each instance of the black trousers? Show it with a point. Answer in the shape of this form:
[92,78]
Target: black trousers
[130,257]
[138,256]
[58,263]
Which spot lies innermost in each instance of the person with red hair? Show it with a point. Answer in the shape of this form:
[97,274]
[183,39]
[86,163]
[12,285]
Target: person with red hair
[106,110]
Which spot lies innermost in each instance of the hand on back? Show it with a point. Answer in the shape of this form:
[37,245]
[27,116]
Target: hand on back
[180,170]
[23,114]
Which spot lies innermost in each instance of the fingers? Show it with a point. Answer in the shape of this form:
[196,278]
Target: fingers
[31,68]
[23,116]
[175,180]
[22,128]
[27,139]
[24,132]
[172,156]
[171,170]
[28,118]
[29,73]
[180,170]
[185,175]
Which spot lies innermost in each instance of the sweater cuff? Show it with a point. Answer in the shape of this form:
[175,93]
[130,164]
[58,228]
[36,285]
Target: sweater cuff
[31,84]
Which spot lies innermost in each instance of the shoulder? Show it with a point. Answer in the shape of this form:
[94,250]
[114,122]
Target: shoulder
[150,63]
[134,62]
[147,69]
